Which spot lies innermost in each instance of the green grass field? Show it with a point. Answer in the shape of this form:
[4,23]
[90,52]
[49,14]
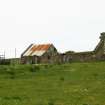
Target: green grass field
[67,84]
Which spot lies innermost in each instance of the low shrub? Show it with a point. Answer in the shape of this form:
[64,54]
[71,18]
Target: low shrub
[16,98]
[95,74]
[34,68]
[3,69]
[62,78]
[11,72]
[50,103]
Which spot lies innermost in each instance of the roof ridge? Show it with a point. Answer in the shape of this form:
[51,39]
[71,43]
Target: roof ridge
[44,44]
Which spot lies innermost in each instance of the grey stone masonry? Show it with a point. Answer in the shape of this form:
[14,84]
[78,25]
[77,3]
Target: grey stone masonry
[102,37]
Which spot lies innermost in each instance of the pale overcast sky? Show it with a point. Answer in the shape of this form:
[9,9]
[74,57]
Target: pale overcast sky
[68,24]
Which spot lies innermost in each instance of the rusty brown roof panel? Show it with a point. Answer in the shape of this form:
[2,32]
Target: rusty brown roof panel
[40,47]
[37,50]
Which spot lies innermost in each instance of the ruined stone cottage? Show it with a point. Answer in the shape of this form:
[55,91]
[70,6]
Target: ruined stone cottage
[98,54]
[42,53]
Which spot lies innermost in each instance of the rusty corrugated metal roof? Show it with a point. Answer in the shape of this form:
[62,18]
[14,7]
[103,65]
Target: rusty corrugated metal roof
[37,50]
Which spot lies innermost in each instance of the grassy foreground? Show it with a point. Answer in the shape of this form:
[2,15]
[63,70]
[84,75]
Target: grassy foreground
[67,84]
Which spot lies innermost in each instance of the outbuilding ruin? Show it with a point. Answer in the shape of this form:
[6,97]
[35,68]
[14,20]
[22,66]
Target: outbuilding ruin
[47,53]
